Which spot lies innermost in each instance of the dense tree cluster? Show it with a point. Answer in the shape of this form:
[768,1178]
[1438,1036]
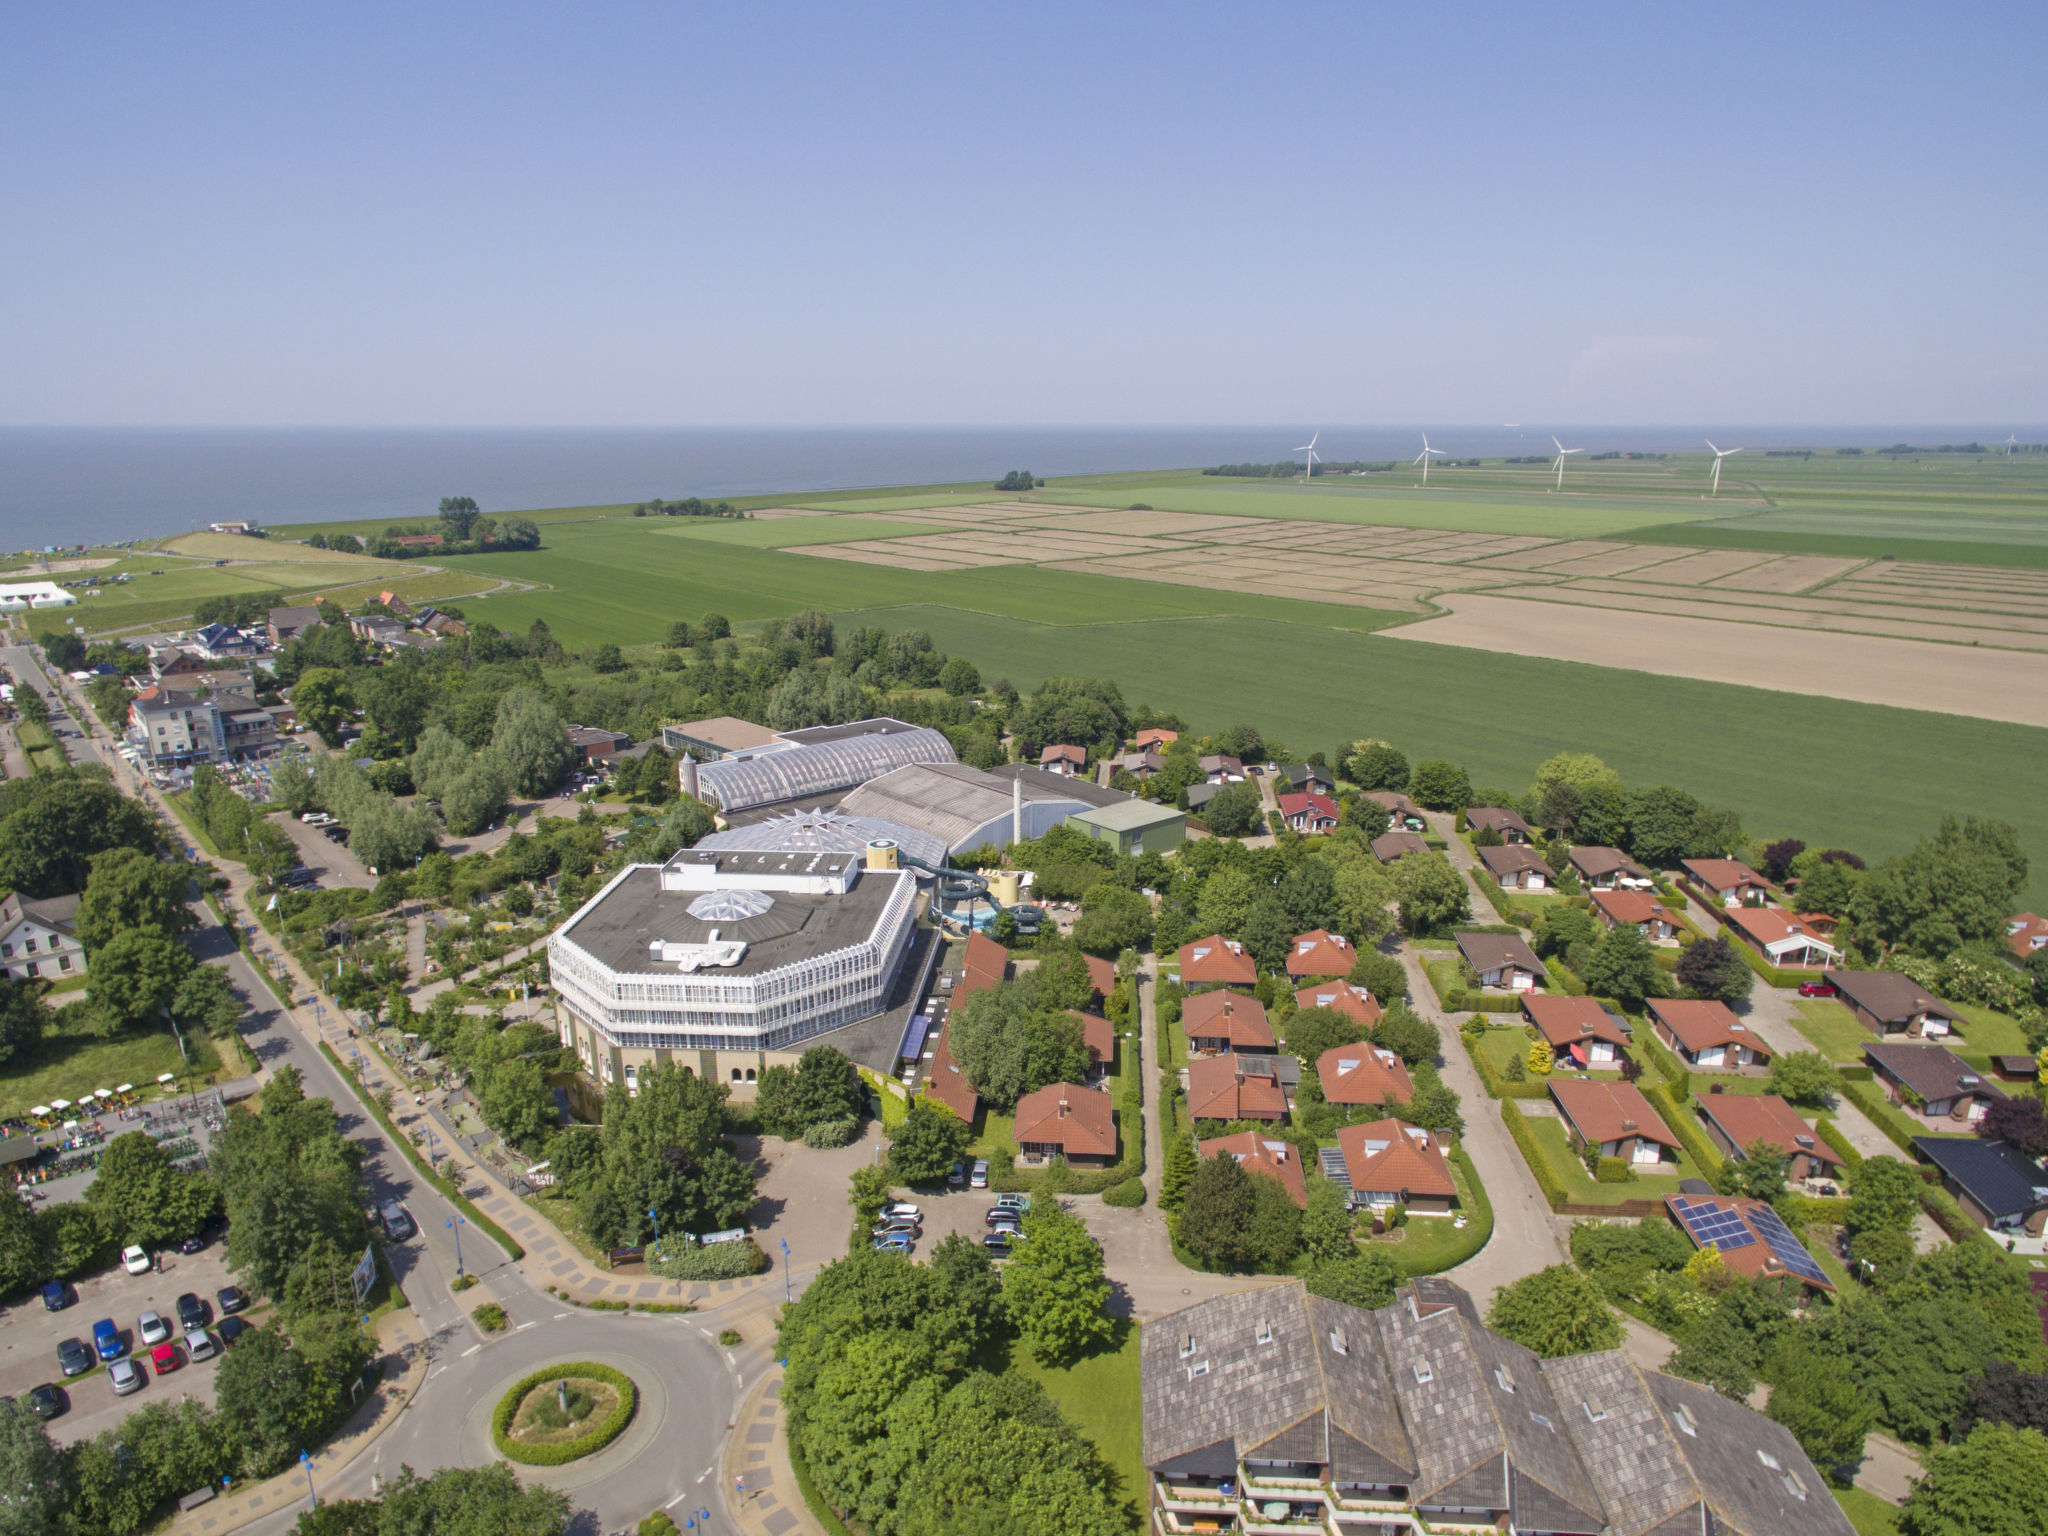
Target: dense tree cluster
[821,1089]
[1018,1036]
[53,823]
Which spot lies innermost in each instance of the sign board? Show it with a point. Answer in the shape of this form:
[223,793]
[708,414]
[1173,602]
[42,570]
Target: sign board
[732,1236]
[365,1274]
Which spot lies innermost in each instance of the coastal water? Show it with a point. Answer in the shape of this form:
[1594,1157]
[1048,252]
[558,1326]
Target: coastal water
[63,485]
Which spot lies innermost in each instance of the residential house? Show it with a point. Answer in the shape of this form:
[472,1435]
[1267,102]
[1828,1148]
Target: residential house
[289,623]
[1509,824]
[1607,869]
[174,730]
[1614,1117]
[244,727]
[1273,1410]
[1402,815]
[1310,815]
[1638,910]
[1893,1003]
[1729,881]
[378,629]
[1063,760]
[984,964]
[1503,960]
[1997,1185]
[1352,1001]
[1320,953]
[1930,1080]
[1706,1034]
[1363,1074]
[175,661]
[39,938]
[417,540]
[1222,768]
[593,744]
[1154,739]
[1199,795]
[1751,1238]
[1308,779]
[1737,1121]
[223,642]
[1065,1120]
[397,606]
[1262,1155]
[1101,975]
[1217,962]
[2024,934]
[1224,1088]
[1226,1021]
[1579,1030]
[1390,846]
[1516,867]
[1784,940]
[1146,765]
[1390,1163]
[1099,1037]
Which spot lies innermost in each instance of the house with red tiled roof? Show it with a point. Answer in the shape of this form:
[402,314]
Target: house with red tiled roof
[1066,1120]
[1577,1029]
[2025,932]
[1226,1021]
[1391,1164]
[1616,1118]
[1311,815]
[1100,1038]
[1101,976]
[1363,1074]
[1726,1220]
[1262,1155]
[1737,1121]
[1153,738]
[1729,881]
[1706,1034]
[1217,962]
[1639,910]
[1320,953]
[1221,1088]
[1063,760]
[984,964]
[1783,939]
[1353,1002]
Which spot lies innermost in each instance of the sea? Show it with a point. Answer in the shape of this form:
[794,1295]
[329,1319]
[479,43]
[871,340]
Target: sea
[63,486]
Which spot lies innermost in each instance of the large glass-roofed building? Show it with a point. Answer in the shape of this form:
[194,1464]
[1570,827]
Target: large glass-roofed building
[823,831]
[806,764]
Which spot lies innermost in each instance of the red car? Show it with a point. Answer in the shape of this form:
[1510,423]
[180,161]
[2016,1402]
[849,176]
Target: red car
[1816,989]
[165,1358]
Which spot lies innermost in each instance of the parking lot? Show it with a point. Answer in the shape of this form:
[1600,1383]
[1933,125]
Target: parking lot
[29,1335]
[331,861]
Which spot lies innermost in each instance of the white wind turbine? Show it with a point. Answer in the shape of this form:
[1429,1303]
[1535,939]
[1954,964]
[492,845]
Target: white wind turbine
[1719,455]
[1426,455]
[1559,465]
[1309,448]
[2012,444]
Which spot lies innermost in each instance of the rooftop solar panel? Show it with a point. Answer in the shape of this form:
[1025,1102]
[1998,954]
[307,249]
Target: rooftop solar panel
[1710,1224]
[1790,1251]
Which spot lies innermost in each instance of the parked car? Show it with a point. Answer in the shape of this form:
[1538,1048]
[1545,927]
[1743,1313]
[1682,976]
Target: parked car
[199,1345]
[978,1179]
[134,1260]
[152,1327]
[45,1401]
[1007,1215]
[894,1242]
[335,834]
[165,1358]
[73,1358]
[1010,1229]
[56,1295]
[902,1208]
[126,1376]
[231,1329]
[1821,988]
[997,1244]
[193,1312]
[231,1299]
[191,1244]
[1013,1202]
[317,819]
[897,1224]
[957,1177]
[107,1342]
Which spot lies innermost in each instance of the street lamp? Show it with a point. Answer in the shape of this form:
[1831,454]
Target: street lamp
[306,1461]
[654,1216]
[785,1270]
[455,1224]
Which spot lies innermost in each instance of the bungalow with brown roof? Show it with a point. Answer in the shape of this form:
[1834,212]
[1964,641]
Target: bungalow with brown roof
[1141,765]
[1577,1029]
[1737,1121]
[1320,953]
[1226,1021]
[1607,869]
[1352,1001]
[1638,910]
[1892,1003]
[1217,962]
[1101,975]
[1222,768]
[1363,1074]
[1066,1120]
[1311,815]
[1516,867]
[289,623]
[1729,881]
[1220,1088]
[1389,1164]
[1401,811]
[1930,1081]
[1503,960]
[1390,846]
[1262,1155]
[1509,824]
[1616,1118]
[1706,1034]
[1063,760]
[1786,941]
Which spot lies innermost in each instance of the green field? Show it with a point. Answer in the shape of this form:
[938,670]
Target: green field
[781,532]
[69,1063]
[161,599]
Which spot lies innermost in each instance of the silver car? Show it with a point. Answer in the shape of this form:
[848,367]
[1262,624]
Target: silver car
[199,1345]
[153,1328]
[126,1376]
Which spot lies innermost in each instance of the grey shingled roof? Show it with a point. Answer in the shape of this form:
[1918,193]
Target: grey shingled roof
[1744,1493]
[1641,1477]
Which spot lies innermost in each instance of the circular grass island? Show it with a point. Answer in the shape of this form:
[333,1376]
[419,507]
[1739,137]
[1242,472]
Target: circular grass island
[562,1413]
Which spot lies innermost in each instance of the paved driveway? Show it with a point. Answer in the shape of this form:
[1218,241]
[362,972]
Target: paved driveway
[331,861]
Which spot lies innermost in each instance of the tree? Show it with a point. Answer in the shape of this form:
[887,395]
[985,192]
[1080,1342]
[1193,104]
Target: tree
[1382,975]
[456,1501]
[1431,893]
[34,1473]
[269,852]
[1274,1236]
[1408,1035]
[1556,1311]
[1368,1279]
[1806,1078]
[1440,786]
[1541,1059]
[1759,1174]
[1312,1031]
[324,702]
[135,975]
[1374,764]
[2005,1394]
[1622,966]
[63,650]
[1113,919]
[825,1087]
[868,1192]
[132,890]
[529,742]
[607,658]
[1216,1214]
[1009,1043]
[2020,1123]
[812,630]
[1054,1289]
[516,1103]
[1995,1483]
[458,517]
[714,626]
[1179,1171]
[928,1143]
[1884,1195]
[964,1267]
[23,1018]
[1326,1225]
[31,706]
[272,1400]
[680,635]
[1949,890]
[291,786]
[140,1197]
[52,825]
[1268,932]
[1712,968]
[960,678]
[1560,928]
[1235,810]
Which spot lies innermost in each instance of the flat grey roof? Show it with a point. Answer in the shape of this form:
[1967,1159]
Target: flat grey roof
[750,861]
[1060,784]
[880,725]
[1128,815]
[637,913]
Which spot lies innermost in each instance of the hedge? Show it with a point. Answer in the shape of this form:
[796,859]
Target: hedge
[1947,1215]
[1497,897]
[569,1450]
[1129,1194]
[1669,1067]
[1831,1133]
[1479,1002]
[1896,1127]
[709,1261]
[1685,1128]
[1563,978]
[832,1133]
[1611,1170]
[1478,1229]
[1547,1181]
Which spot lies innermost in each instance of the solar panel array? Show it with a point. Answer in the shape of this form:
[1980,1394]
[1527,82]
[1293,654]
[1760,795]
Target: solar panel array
[1790,1251]
[1712,1224]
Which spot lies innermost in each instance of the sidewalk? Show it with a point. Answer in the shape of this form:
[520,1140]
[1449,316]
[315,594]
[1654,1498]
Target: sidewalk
[756,1482]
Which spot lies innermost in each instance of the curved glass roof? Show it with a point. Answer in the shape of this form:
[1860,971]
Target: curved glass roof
[772,777]
[730,906]
[823,831]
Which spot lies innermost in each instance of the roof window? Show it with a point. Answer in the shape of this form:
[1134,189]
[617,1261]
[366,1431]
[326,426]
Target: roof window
[1684,1422]
[1339,1341]
[1770,1461]
[1594,1415]
[1199,1368]
[1542,1418]
[1507,1382]
[1423,1374]
[1264,1332]
[1187,1345]
[1795,1487]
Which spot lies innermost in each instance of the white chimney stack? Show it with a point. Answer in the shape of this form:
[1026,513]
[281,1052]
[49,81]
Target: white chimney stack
[1017,809]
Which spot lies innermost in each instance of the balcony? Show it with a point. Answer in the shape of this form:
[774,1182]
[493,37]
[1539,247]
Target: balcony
[1282,1517]
[1197,1495]
[1174,1522]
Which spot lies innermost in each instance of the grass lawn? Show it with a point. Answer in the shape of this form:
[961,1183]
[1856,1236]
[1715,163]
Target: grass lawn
[782,532]
[1870,1515]
[994,1137]
[1099,1396]
[1991,1033]
[1832,1028]
[39,745]
[1579,1186]
[69,1063]
[1500,1046]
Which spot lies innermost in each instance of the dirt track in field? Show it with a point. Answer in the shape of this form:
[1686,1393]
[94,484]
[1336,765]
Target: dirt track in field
[1988,683]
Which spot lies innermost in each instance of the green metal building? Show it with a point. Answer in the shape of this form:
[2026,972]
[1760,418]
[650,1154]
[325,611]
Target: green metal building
[1134,826]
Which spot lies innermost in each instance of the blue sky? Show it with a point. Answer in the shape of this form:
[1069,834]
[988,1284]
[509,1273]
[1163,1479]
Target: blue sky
[659,214]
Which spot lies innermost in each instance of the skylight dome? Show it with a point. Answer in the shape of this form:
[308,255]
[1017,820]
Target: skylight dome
[730,906]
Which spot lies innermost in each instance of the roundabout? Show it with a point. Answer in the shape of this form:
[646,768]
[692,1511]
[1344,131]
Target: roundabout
[563,1413]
